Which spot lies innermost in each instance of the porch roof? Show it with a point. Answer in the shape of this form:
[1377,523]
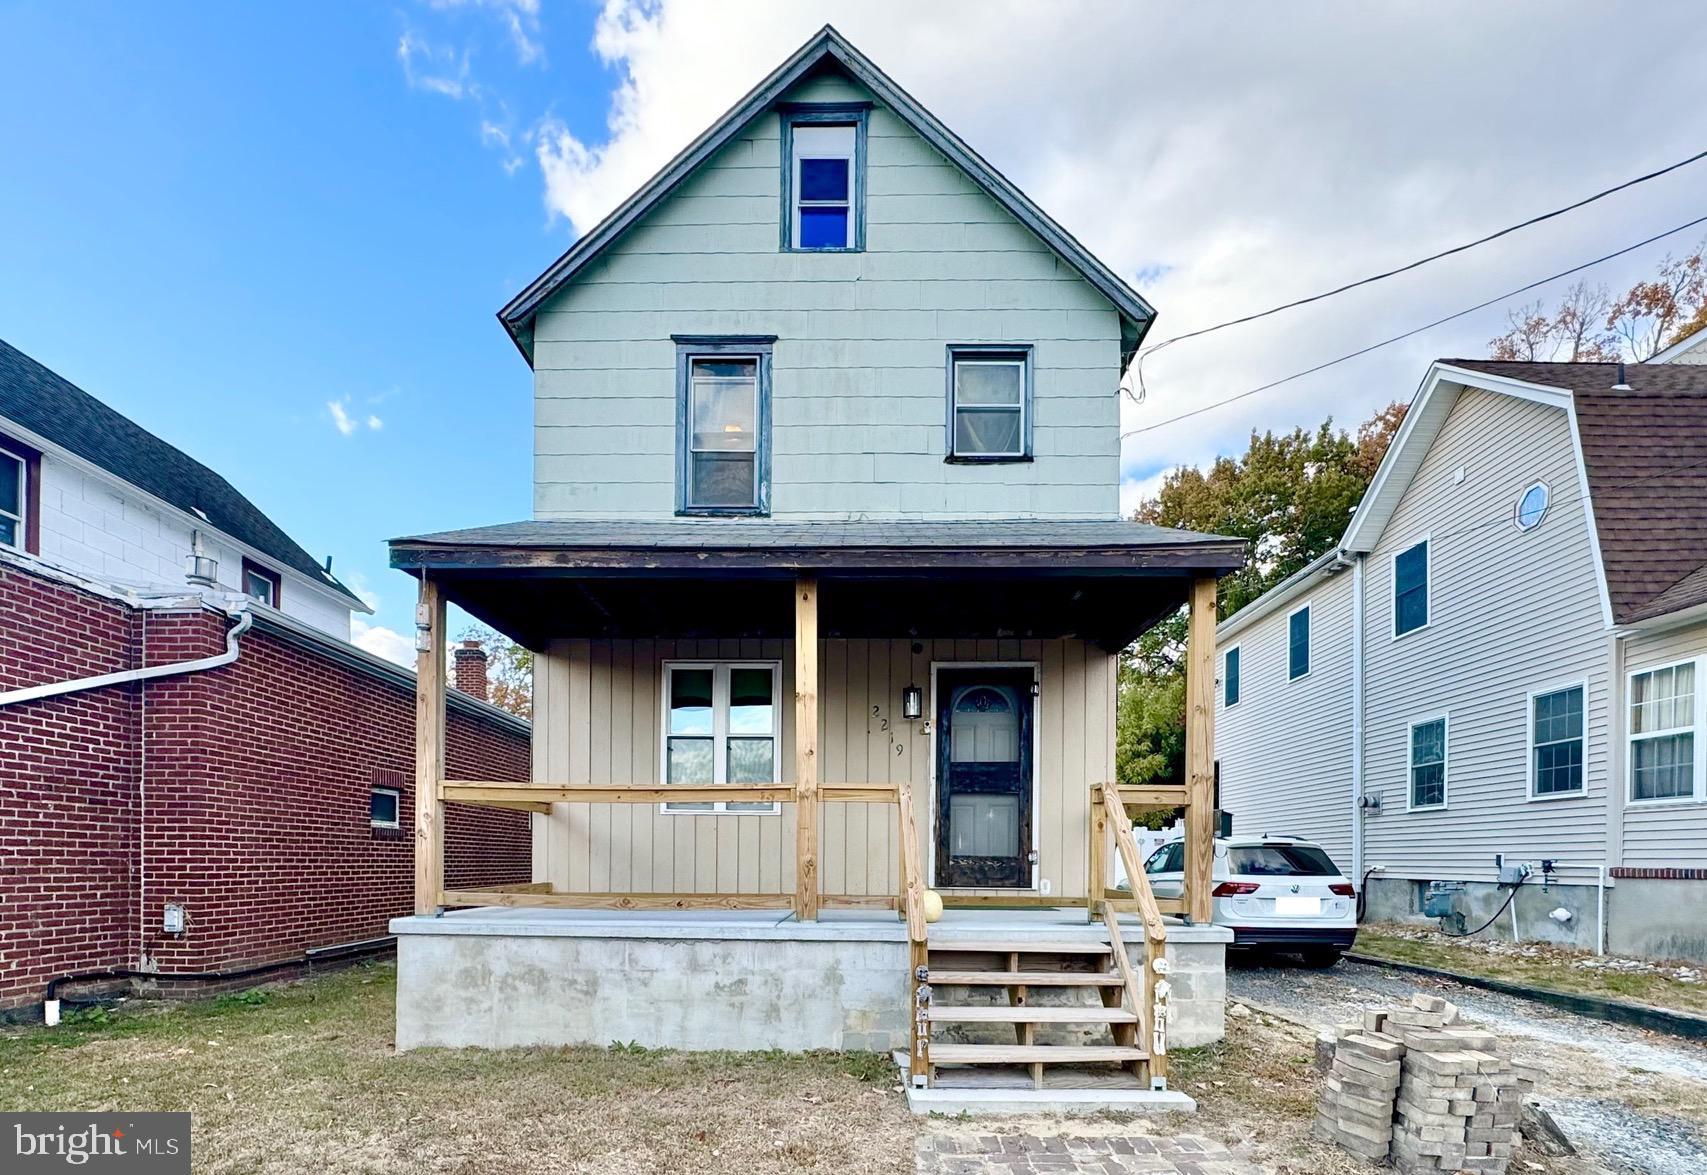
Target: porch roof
[1105,580]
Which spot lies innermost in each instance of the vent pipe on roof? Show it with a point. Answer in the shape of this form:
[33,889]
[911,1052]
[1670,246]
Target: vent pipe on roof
[1621,386]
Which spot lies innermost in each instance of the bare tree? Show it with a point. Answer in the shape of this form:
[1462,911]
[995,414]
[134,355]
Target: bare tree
[1647,317]
[1575,332]
[1589,326]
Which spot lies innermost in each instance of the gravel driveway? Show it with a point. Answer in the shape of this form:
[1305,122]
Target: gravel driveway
[1635,1100]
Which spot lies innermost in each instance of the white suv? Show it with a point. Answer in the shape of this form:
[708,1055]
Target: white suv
[1275,893]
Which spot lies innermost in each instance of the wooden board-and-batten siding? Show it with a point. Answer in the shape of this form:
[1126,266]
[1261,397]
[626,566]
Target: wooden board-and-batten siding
[859,401]
[598,716]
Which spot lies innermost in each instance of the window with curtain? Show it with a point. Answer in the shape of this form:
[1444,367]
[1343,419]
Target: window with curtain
[989,404]
[1662,733]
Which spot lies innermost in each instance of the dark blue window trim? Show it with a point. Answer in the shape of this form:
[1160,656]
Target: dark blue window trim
[854,114]
[1025,352]
[1298,644]
[689,348]
[1231,683]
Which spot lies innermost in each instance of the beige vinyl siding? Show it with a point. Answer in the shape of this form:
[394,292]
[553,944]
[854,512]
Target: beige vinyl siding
[858,401]
[1285,749]
[598,718]
[1664,835]
[1510,612]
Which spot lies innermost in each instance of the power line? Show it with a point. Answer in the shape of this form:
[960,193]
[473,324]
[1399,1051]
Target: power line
[1417,264]
[1523,289]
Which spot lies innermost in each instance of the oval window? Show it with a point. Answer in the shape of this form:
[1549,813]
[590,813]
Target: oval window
[1532,506]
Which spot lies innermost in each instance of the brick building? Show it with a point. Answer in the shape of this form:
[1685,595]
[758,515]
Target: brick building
[252,804]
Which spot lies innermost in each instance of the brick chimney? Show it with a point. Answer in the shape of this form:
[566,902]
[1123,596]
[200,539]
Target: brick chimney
[471,669]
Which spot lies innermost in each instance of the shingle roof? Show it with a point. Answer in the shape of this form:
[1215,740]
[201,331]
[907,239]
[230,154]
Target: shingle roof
[1645,451]
[764,534]
[54,408]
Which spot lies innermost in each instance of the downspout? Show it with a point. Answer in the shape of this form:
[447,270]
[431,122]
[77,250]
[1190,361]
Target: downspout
[1357,721]
[54,689]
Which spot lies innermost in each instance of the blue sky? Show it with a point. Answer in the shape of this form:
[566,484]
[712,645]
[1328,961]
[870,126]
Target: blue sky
[243,225]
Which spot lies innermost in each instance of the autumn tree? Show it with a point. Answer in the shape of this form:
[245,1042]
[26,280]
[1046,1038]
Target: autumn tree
[1290,496]
[1589,325]
[509,670]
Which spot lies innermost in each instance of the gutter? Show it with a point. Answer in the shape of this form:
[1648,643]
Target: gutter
[53,689]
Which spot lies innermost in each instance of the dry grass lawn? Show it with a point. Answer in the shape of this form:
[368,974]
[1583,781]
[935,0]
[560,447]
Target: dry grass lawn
[1540,965]
[302,1078]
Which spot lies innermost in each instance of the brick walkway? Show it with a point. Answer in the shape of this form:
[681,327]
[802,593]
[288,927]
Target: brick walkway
[1024,1154]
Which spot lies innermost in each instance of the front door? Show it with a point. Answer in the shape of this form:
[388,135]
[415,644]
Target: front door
[983,772]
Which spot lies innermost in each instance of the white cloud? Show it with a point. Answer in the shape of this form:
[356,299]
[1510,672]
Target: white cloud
[437,69]
[1233,157]
[348,423]
[1134,490]
[382,642]
[520,19]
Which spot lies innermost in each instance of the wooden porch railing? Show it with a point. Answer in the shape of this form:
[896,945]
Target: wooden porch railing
[918,946]
[1147,988]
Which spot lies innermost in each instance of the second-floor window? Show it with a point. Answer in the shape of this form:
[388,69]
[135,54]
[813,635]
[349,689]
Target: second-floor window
[1230,683]
[1298,644]
[989,403]
[14,493]
[824,179]
[723,415]
[260,584]
[1410,589]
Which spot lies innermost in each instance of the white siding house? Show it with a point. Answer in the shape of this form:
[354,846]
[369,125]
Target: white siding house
[1525,515]
[99,497]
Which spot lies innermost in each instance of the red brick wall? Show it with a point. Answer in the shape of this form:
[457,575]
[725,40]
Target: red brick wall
[69,775]
[240,793]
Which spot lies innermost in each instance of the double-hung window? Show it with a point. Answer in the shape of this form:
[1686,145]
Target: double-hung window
[723,425]
[721,726]
[1230,683]
[989,403]
[1427,763]
[824,178]
[1298,644]
[14,493]
[1662,733]
[1410,589]
[1556,743]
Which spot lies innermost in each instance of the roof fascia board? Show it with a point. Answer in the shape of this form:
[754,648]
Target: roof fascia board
[1322,567]
[1664,621]
[1587,500]
[518,313]
[1687,343]
[195,522]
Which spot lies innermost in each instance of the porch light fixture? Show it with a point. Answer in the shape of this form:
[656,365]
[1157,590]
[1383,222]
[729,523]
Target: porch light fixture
[912,703]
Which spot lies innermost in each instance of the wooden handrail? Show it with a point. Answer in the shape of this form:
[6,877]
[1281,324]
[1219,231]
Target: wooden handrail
[918,948]
[1127,845]
[539,796]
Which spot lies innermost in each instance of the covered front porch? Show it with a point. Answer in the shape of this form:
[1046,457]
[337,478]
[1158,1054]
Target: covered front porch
[922,677]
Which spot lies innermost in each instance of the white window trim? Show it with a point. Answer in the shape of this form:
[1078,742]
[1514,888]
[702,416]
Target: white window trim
[1445,720]
[397,798]
[971,358]
[719,732]
[1309,644]
[1699,720]
[23,515]
[1428,587]
[1529,723]
[1228,651]
[1517,507]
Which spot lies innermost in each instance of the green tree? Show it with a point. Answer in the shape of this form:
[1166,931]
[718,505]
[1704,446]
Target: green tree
[1290,497]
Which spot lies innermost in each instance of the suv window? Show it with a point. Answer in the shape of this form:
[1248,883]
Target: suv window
[1170,858]
[1279,861]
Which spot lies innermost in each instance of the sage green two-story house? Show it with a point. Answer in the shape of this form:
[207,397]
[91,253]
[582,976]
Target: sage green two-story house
[826,579]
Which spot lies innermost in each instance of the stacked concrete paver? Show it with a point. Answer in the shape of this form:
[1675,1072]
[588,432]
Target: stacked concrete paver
[1417,1085]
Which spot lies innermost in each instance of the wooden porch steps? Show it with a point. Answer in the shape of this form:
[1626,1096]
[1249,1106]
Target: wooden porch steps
[1025,1054]
[972,946]
[948,978]
[1026,1014]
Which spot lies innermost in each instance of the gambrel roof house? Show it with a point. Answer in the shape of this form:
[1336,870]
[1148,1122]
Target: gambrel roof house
[1500,659]
[826,580]
[87,489]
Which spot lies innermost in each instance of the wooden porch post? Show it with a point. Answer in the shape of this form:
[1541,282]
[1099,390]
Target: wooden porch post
[429,746]
[1200,750]
[806,748]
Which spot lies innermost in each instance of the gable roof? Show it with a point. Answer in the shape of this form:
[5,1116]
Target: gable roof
[1644,451]
[1690,342]
[827,48]
[58,411]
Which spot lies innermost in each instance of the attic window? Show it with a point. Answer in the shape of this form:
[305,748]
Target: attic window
[1532,506]
[260,584]
[823,180]
[14,493]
